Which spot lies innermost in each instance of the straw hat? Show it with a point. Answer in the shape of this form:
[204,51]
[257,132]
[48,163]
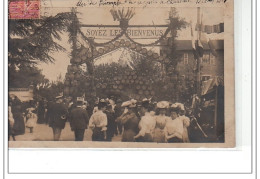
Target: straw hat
[163,104]
[180,106]
[131,103]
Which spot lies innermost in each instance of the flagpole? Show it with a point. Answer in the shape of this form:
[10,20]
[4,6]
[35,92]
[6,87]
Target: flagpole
[199,58]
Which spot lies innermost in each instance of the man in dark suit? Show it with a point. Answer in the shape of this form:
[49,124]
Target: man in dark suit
[57,117]
[79,121]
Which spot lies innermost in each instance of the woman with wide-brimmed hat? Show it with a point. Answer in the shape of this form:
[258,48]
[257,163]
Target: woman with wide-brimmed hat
[161,119]
[176,129]
[186,122]
[129,120]
[147,122]
[98,122]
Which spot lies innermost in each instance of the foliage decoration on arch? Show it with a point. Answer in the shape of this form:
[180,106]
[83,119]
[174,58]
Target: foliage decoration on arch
[92,83]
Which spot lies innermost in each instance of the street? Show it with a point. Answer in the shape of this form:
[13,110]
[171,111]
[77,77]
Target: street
[43,132]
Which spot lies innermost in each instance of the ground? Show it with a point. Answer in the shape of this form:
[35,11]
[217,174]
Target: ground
[43,132]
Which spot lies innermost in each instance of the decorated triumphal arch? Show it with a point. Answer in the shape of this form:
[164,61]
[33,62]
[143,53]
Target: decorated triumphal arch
[122,66]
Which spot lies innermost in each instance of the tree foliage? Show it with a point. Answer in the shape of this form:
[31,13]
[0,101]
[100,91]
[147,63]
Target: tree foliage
[30,41]
[176,24]
[24,76]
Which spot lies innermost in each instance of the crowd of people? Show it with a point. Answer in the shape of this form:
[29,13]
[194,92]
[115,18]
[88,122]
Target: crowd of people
[135,121]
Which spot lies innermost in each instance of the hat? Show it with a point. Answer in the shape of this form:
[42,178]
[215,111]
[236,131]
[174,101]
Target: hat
[102,103]
[126,103]
[174,108]
[80,99]
[131,103]
[163,104]
[180,106]
[174,105]
[58,97]
[145,102]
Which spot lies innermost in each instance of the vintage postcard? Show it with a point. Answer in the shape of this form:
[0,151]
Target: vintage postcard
[121,74]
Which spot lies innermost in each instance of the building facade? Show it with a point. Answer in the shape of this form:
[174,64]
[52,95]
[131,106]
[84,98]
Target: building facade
[211,66]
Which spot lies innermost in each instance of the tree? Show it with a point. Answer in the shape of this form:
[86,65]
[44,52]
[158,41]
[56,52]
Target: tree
[176,23]
[23,75]
[32,40]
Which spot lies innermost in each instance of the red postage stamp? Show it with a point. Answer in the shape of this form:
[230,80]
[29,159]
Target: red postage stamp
[24,9]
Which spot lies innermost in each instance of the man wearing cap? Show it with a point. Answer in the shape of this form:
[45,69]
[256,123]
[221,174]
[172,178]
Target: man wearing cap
[98,122]
[57,118]
[78,121]
[129,120]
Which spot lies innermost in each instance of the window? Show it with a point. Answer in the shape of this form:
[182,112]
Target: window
[205,77]
[206,58]
[186,58]
[212,59]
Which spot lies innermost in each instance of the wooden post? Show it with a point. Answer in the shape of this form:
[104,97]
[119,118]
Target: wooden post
[216,111]
[200,58]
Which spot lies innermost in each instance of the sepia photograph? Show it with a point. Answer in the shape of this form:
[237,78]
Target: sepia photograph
[116,75]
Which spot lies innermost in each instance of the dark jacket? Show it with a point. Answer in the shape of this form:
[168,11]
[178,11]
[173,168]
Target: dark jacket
[130,122]
[19,126]
[78,118]
[58,111]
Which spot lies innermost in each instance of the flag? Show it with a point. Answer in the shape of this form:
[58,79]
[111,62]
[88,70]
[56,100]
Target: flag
[196,45]
[206,40]
[210,29]
[204,30]
[195,53]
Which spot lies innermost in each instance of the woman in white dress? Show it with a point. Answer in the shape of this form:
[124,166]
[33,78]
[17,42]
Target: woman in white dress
[186,123]
[147,123]
[31,119]
[161,120]
[176,129]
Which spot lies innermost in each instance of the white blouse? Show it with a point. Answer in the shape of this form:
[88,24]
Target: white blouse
[98,119]
[147,124]
[175,127]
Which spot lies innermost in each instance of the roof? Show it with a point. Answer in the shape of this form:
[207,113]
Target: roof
[186,45]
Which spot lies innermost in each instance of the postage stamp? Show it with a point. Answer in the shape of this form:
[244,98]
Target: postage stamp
[24,9]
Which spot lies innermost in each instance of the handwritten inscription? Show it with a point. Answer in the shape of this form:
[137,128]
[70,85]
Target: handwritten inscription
[83,3]
[210,1]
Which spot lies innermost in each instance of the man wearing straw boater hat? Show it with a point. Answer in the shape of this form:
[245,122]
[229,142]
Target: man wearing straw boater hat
[129,120]
[98,122]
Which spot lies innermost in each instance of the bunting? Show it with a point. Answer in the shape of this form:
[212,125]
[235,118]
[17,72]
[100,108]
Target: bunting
[210,29]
